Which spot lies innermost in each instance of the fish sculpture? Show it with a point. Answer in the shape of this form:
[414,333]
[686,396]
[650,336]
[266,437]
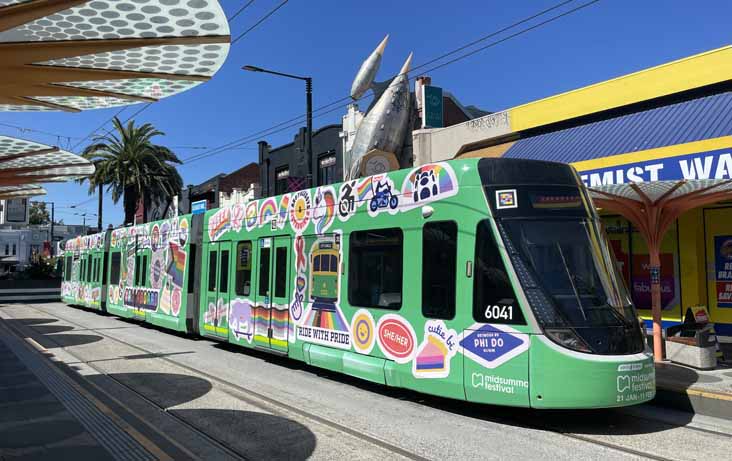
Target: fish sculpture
[385,125]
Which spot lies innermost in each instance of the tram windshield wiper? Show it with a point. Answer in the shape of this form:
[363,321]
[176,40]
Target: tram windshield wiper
[571,281]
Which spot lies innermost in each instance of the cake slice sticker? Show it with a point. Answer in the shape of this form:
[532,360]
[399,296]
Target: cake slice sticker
[439,346]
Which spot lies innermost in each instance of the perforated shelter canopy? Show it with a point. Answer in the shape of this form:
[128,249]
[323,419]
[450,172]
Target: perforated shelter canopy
[73,55]
[26,163]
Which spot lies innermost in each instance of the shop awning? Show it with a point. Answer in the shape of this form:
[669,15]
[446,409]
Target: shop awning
[25,162]
[652,207]
[73,55]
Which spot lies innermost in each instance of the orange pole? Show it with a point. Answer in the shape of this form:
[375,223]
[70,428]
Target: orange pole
[655,269]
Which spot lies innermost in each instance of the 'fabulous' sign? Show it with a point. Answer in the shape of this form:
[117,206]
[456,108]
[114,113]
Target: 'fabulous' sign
[714,164]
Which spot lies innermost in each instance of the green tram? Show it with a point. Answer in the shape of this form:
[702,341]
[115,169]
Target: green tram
[489,281]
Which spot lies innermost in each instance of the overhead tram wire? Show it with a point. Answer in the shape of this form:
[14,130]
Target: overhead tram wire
[348,98]
[298,120]
[240,10]
[261,20]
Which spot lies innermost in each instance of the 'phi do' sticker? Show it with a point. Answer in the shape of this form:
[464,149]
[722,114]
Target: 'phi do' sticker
[506,199]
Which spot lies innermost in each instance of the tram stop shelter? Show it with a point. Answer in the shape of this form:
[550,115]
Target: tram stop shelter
[652,207]
[74,55]
[661,128]
[23,164]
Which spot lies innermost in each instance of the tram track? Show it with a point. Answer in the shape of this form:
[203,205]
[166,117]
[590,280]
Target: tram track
[245,394]
[276,407]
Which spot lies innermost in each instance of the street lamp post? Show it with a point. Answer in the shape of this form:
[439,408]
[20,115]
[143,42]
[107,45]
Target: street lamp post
[309,112]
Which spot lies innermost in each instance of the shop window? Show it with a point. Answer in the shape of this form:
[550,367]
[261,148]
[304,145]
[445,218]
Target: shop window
[491,286]
[326,169]
[439,258]
[375,268]
[633,262]
[14,249]
[243,268]
[281,180]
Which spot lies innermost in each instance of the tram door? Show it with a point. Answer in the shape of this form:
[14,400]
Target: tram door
[273,293]
[216,282]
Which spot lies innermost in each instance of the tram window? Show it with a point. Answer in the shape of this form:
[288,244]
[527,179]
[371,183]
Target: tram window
[212,258]
[138,266]
[68,268]
[115,269]
[439,259]
[316,263]
[264,272]
[493,295]
[375,268]
[243,268]
[145,269]
[280,290]
[88,269]
[192,268]
[224,273]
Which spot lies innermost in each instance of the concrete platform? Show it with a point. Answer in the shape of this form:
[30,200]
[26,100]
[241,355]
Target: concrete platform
[705,392]
[46,414]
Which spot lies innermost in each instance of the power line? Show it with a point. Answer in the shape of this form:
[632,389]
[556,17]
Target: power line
[98,128]
[286,124]
[240,10]
[264,18]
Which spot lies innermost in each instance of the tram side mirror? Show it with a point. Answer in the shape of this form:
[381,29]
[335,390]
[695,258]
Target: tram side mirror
[427,211]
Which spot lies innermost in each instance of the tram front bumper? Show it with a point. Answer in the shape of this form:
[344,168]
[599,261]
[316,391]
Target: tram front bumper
[562,378]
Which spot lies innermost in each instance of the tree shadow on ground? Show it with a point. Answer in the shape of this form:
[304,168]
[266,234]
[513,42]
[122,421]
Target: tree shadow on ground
[50,336]
[255,435]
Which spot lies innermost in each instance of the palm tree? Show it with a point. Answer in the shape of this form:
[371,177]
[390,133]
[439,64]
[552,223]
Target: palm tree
[133,167]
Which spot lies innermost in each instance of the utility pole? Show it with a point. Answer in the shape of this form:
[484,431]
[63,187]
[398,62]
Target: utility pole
[99,212]
[52,219]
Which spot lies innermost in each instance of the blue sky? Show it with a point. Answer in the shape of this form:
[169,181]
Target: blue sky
[328,40]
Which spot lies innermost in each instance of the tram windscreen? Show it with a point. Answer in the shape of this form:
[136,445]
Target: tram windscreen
[561,257]
[570,263]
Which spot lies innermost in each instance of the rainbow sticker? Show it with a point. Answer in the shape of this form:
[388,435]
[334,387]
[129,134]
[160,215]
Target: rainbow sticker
[177,266]
[324,211]
[428,183]
[268,211]
[219,223]
[284,207]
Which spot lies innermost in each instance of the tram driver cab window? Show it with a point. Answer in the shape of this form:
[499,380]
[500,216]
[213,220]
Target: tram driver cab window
[492,286]
[375,268]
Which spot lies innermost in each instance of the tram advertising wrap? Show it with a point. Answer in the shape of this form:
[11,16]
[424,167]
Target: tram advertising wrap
[480,279]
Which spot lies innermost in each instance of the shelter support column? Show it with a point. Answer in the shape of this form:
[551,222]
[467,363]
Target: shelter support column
[655,271]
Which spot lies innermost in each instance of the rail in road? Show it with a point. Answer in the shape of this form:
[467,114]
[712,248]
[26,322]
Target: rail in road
[610,433]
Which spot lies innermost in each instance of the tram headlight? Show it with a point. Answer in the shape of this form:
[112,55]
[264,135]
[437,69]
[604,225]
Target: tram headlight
[567,338]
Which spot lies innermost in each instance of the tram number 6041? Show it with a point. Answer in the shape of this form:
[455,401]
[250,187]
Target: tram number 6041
[496,312]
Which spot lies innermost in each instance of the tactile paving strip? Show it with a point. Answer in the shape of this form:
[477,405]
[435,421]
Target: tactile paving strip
[116,441]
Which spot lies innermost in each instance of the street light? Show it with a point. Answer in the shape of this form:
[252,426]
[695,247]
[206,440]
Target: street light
[309,110]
